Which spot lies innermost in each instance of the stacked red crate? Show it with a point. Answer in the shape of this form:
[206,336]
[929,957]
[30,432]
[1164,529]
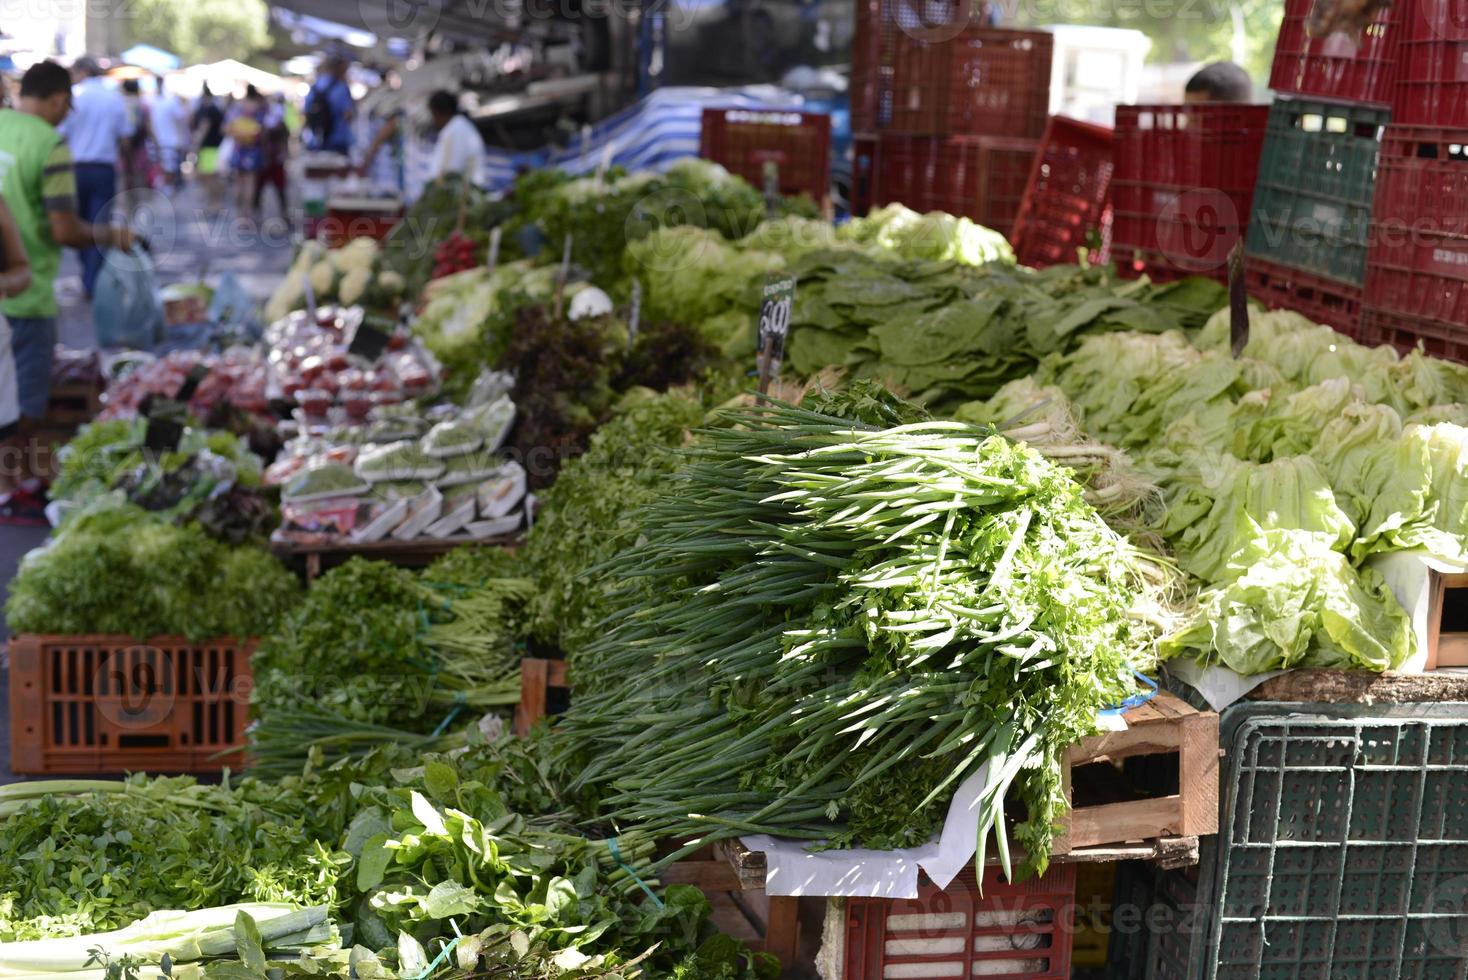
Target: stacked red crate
[1020,931]
[1417,265]
[948,115]
[1333,65]
[1183,186]
[1067,195]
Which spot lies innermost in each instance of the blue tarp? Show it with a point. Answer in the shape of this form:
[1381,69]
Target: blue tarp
[649,135]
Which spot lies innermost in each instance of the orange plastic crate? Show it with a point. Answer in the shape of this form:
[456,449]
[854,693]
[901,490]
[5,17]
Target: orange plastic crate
[112,704]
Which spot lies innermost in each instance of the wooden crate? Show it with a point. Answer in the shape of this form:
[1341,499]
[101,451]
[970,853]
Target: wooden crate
[72,404]
[417,553]
[537,677]
[1165,726]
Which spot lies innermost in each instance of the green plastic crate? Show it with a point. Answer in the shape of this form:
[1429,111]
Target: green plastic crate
[1343,849]
[1317,178]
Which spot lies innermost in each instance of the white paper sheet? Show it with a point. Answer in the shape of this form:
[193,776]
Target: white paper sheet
[1219,686]
[792,870]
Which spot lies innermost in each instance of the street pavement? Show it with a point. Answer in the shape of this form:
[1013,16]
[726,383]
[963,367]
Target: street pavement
[188,243]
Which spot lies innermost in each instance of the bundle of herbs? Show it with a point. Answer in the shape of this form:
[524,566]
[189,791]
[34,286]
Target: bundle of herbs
[412,855]
[569,375]
[80,856]
[589,514]
[377,654]
[829,625]
[122,570]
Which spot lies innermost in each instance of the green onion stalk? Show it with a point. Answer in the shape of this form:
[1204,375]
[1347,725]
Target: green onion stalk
[827,626]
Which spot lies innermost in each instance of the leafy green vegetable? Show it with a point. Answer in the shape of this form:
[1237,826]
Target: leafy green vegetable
[116,851]
[588,514]
[1290,601]
[124,571]
[833,624]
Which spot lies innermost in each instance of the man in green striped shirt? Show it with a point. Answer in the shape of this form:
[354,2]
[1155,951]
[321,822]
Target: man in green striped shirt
[38,184]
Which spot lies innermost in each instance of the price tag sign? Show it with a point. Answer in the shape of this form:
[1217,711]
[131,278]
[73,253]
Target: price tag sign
[771,173]
[563,274]
[635,313]
[190,384]
[604,164]
[310,296]
[368,342]
[774,327]
[494,248]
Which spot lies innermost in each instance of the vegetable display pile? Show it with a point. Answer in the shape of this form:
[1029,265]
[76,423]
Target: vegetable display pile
[1283,472]
[831,624]
[121,570]
[590,512]
[424,858]
[376,653]
[211,478]
[87,855]
[568,374]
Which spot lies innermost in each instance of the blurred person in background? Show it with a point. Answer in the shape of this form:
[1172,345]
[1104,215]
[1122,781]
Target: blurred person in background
[170,118]
[1222,81]
[330,109]
[207,127]
[277,142]
[459,148]
[96,131]
[135,172]
[15,278]
[244,124]
[39,184]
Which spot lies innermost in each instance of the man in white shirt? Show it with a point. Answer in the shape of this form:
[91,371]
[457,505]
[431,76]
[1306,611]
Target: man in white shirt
[459,148]
[94,131]
[170,116]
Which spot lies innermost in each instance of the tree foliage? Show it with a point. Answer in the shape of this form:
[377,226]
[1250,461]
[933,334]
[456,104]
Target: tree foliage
[201,31]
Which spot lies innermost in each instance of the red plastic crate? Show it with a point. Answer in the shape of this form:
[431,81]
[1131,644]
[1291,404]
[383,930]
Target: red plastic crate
[1432,65]
[1417,264]
[980,178]
[918,70]
[743,141]
[1011,932]
[1420,274]
[983,178]
[1407,332]
[1327,301]
[863,173]
[1335,67]
[1183,186]
[999,82]
[1066,194]
[112,704]
[906,170]
[1421,182]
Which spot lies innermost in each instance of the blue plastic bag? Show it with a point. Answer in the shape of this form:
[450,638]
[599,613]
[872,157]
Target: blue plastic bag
[126,310]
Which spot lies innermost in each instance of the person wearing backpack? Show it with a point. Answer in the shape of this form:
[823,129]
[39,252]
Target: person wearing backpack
[329,109]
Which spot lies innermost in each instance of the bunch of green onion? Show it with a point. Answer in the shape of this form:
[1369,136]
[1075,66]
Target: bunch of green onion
[827,626]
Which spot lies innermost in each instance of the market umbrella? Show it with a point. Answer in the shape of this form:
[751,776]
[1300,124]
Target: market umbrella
[155,60]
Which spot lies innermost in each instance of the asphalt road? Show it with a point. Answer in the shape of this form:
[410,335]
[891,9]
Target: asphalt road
[188,243]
